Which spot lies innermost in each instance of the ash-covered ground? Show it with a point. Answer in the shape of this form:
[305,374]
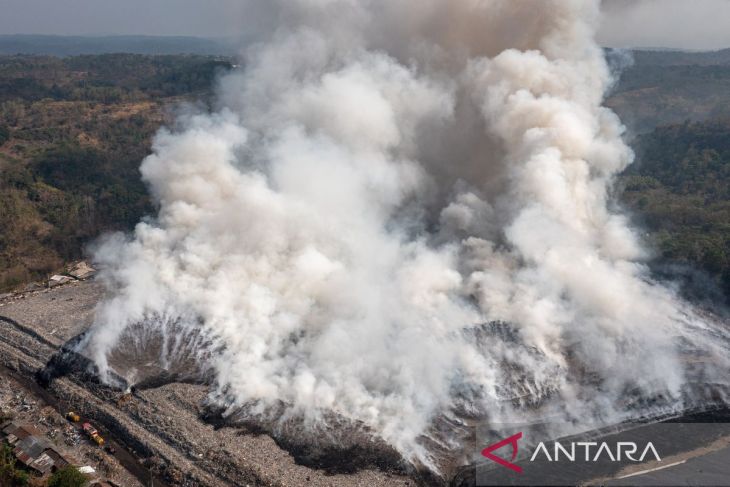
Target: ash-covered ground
[167,426]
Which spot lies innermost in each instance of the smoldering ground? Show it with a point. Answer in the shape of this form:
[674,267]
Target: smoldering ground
[384,187]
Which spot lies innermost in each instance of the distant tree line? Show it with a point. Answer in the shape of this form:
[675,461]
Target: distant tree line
[109,78]
[679,189]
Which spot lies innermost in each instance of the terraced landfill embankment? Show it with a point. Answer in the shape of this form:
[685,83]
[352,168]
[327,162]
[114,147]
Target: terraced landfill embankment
[161,427]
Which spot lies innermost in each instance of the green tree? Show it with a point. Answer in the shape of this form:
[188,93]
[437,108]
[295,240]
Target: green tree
[67,477]
[7,466]
[4,134]
[9,475]
[22,478]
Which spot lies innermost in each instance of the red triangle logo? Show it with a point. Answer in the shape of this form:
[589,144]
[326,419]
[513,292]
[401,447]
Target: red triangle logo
[512,440]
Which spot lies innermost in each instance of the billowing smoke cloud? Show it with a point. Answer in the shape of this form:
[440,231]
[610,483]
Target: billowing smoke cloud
[400,213]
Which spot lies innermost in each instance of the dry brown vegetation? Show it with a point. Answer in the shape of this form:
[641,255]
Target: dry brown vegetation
[73,132]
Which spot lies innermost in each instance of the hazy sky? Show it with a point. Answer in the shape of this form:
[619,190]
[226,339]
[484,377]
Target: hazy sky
[91,17]
[692,24]
[689,24]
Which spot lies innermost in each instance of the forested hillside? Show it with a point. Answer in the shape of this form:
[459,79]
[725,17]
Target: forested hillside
[108,79]
[73,132]
[666,87]
[679,191]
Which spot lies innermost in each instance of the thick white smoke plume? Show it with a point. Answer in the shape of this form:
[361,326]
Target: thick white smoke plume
[400,212]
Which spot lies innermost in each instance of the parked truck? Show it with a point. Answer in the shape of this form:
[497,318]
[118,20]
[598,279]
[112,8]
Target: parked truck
[93,434]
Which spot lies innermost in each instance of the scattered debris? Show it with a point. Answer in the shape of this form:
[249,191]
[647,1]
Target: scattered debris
[33,286]
[71,436]
[21,406]
[58,280]
[165,420]
[82,271]
[124,398]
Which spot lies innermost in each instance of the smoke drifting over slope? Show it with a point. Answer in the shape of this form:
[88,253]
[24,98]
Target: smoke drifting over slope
[385,185]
